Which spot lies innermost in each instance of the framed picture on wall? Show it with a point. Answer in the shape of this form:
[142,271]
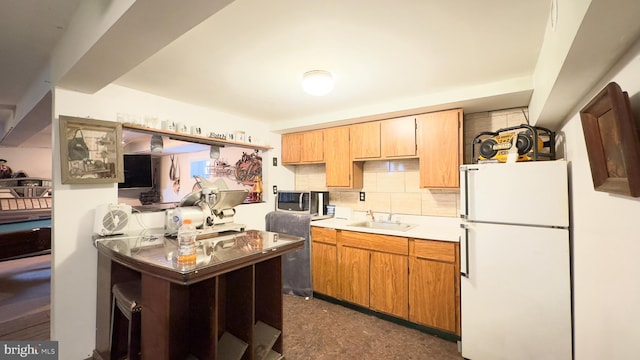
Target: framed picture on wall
[613,145]
[90,151]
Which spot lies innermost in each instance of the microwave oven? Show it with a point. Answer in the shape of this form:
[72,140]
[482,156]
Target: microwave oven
[307,202]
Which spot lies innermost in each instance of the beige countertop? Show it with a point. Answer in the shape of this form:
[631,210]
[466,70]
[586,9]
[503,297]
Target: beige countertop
[427,227]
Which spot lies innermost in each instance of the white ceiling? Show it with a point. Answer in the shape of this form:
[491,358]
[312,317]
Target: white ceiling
[248,58]
[389,57]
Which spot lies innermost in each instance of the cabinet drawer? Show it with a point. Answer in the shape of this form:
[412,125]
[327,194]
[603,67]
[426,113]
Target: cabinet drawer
[324,235]
[375,242]
[434,250]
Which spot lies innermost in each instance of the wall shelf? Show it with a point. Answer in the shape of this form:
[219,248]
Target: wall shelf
[198,139]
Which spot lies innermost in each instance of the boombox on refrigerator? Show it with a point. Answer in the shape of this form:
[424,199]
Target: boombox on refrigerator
[520,143]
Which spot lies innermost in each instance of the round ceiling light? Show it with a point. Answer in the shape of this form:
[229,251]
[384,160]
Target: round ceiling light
[317,82]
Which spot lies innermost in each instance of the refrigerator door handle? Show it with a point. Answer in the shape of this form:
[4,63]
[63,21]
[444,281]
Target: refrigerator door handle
[465,271]
[464,190]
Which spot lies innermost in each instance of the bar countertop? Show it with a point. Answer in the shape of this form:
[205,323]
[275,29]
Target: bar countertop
[151,252]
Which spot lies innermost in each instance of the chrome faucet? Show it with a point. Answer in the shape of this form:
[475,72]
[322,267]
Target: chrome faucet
[370,213]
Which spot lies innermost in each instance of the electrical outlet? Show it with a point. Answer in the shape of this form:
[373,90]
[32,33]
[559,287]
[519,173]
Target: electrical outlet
[275,188]
[362,196]
[275,161]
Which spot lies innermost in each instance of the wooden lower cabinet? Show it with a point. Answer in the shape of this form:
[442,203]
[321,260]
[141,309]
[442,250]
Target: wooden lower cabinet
[413,279]
[434,284]
[324,261]
[373,271]
[353,275]
[389,290]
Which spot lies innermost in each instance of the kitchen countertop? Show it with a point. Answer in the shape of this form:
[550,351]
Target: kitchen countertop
[151,252]
[427,227]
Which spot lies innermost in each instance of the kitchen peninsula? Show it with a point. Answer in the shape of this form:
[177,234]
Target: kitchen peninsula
[236,284]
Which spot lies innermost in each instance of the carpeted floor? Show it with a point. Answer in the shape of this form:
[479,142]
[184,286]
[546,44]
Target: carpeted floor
[313,329]
[318,330]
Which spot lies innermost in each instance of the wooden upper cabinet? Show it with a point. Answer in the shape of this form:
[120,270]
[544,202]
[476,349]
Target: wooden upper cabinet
[313,146]
[304,147]
[365,141]
[440,148]
[393,138]
[291,148]
[340,170]
[398,137]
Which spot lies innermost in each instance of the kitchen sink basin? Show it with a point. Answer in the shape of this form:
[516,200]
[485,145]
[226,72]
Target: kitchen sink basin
[395,226]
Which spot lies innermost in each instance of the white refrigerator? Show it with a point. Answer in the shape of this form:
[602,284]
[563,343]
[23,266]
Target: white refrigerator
[515,261]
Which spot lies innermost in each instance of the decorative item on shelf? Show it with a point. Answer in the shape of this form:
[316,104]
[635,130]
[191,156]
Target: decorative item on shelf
[255,195]
[168,125]
[196,130]
[217,135]
[182,128]
[156,143]
[239,136]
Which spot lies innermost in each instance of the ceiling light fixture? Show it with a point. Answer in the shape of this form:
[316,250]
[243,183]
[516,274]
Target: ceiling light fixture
[317,82]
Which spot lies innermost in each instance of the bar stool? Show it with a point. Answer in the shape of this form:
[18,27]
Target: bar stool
[126,299]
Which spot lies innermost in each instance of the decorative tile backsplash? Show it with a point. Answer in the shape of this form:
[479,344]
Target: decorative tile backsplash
[389,187]
[393,186]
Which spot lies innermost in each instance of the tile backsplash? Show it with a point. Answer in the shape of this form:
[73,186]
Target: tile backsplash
[389,187]
[392,186]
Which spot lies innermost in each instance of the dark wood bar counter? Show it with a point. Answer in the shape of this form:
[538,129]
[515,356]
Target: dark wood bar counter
[234,292]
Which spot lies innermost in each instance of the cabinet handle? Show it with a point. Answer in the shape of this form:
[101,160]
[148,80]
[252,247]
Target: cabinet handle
[465,273]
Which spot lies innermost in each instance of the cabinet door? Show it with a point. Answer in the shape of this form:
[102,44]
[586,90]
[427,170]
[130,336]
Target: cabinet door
[440,148]
[432,294]
[398,137]
[353,275]
[291,148]
[389,289]
[312,146]
[324,271]
[341,171]
[365,140]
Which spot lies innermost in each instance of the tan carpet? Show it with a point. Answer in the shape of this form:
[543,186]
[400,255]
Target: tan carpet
[316,329]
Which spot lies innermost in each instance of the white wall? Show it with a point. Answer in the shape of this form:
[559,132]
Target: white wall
[35,162]
[606,244]
[74,257]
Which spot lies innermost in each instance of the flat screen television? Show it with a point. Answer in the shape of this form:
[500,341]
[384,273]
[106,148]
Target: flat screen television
[138,172]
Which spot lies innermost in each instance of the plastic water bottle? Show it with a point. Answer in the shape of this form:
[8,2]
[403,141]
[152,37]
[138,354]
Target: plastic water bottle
[186,245]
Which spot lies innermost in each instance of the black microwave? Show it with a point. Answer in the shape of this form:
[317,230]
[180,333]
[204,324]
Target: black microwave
[307,202]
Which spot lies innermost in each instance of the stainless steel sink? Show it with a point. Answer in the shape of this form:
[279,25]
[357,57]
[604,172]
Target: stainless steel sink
[395,226]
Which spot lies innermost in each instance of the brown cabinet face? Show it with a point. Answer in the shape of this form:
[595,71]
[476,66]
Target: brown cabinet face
[324,271]
[365,140]
[353,275]
[393,138]
[432,294]
[440,148]
[434,284]
[341,171]
[304,147]
[412,279]
[389,289]
[398,137]
[313,146]
[291,146]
